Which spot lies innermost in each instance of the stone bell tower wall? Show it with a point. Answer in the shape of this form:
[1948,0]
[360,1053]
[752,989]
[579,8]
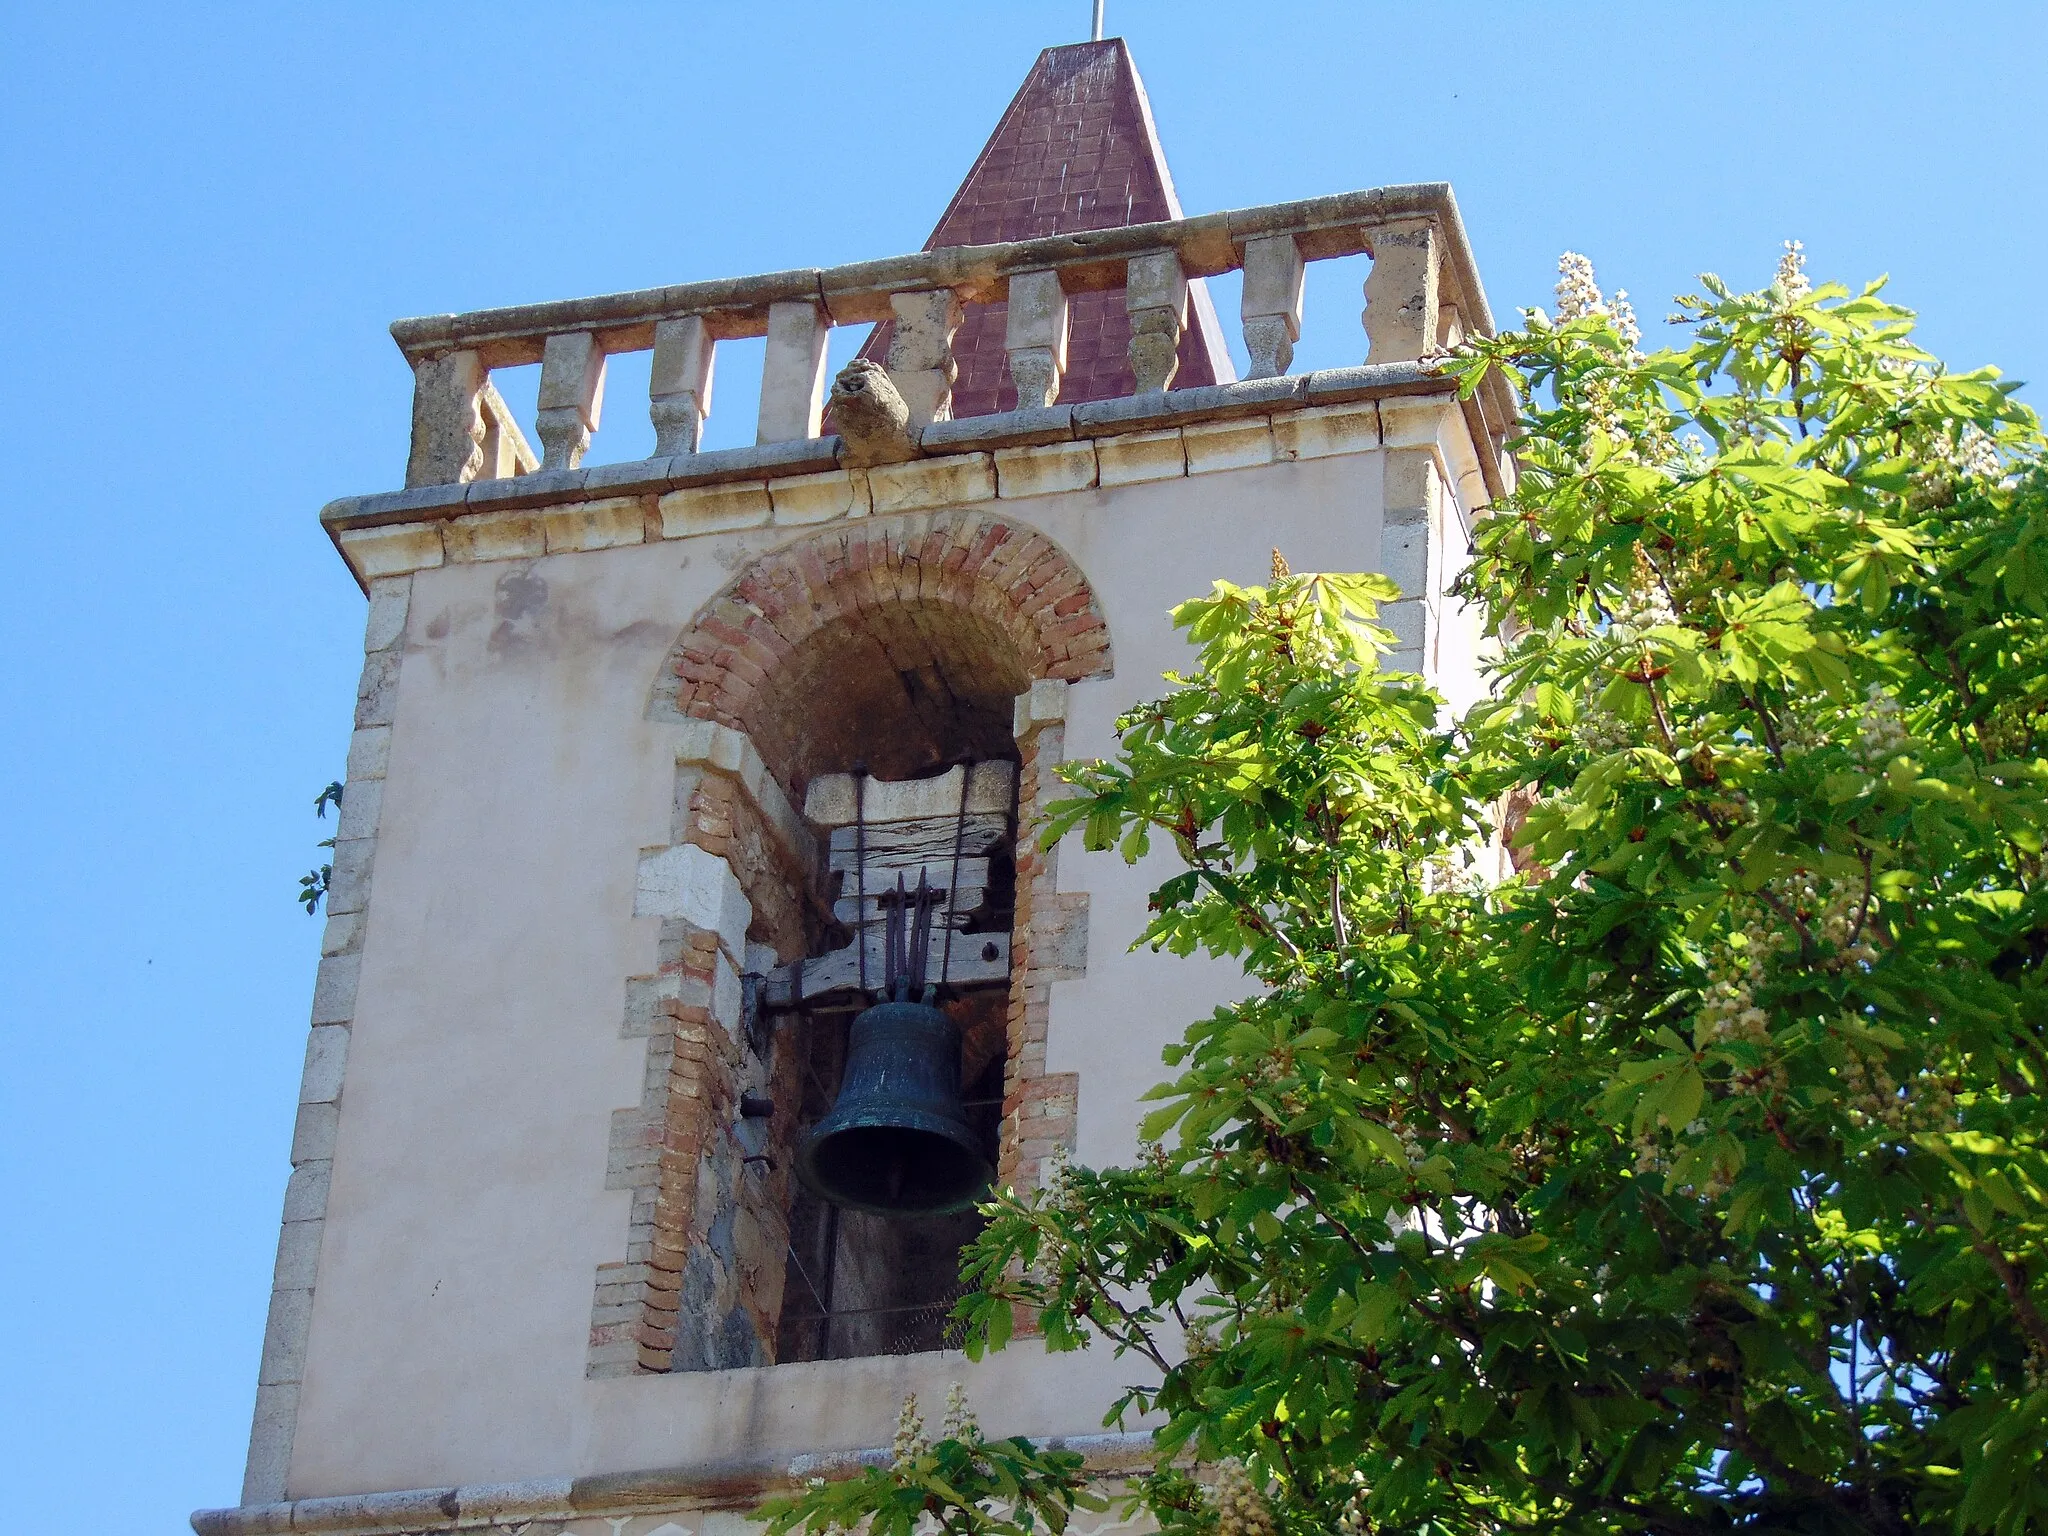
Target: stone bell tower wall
[529,1272]
[457,1169]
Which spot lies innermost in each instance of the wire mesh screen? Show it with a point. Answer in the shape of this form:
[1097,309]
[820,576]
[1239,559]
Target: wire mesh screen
[897,1330]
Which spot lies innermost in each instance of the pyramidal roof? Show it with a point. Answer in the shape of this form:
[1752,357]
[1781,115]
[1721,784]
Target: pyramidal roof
[1076,150]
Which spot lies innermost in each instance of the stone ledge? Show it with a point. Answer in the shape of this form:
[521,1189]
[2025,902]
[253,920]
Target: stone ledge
[395,531]
[733,1484]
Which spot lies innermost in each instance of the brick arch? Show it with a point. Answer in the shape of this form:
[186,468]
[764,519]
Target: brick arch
[991,604]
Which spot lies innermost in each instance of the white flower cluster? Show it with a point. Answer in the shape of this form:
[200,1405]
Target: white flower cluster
[1977,453]
[1881,735]
[910,1443]
[1532,1156]
[1972,453]
[1061,1193]
[1240,1508]
[1927,1103]
[1352,1520]
[1577,294]
[1601,731]
[1729,1010]
[1412,1148]
[1792,276]
[1832,911]
[1623,315]
[1650,1156]
[1645,606]
[960,1421]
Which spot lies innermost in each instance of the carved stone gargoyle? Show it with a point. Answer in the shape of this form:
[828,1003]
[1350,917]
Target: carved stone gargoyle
[873,421]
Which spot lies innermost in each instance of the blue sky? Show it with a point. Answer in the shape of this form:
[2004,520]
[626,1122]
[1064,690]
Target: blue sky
[212,212]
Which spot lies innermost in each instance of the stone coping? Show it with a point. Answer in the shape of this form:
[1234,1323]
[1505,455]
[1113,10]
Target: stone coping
[713,1484]
[943,444]
[1206,245]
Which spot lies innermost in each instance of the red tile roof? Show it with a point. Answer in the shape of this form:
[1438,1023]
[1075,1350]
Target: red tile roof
[1076,150]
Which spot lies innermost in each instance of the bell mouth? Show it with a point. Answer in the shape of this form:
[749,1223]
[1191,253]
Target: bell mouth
[915,1166]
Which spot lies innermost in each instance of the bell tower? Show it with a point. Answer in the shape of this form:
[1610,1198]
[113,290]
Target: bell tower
[691,960]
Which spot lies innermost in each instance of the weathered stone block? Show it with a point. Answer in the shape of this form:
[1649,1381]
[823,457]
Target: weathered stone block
[377,688]
[833,798]
[603,524]
[679,384]
[875,423]
[348,888]
[1036,337]
[478,536]
[270,1443]
[284,1336]
[447,425]
[1409,620]
[1045,704]
[571,397]
[1404,556]
[1401,295]
[921,352]
[714,509]
[384,624]
[1412,423]
[326,1064]
[793,372]
[334,989]
[1327,431]
[804,499]
[362,802]
[343,933]
[713,745]
[698,887]
[949,482]
[1227,444]
[1410,485]
[369,753]
[305,1194]
[1271,308]
[1044,471]
[298,1255]
[374,552]
[1140,456]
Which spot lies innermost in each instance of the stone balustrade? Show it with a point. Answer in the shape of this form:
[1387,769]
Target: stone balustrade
[1422,293]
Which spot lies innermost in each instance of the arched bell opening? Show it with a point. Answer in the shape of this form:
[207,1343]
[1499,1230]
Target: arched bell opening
[898,646]
[895,702]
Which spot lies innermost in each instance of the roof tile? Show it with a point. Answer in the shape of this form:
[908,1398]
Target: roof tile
[1076,150]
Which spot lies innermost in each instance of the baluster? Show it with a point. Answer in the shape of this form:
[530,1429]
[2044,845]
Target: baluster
[447,423]
[1156,299]
[571,397]
[506,451]
[1400,296]
[679,388]
[1036,337]
[793,372]
[1271,310]
[921,363]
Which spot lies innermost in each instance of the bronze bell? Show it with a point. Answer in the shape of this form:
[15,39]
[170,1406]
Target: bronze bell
[897,1142]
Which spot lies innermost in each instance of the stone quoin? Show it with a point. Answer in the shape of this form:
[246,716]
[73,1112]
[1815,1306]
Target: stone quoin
[642,749]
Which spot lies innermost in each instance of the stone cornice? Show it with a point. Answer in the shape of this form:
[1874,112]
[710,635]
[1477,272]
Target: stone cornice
[722,1484]
[616,503]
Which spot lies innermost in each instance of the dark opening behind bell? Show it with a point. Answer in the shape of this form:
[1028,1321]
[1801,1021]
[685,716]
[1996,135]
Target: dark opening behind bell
[897,1142]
